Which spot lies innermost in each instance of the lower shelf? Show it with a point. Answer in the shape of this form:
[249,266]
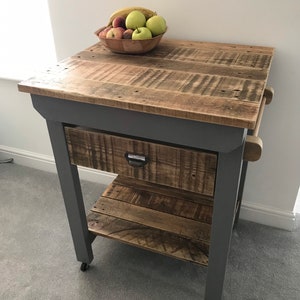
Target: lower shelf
[156,218]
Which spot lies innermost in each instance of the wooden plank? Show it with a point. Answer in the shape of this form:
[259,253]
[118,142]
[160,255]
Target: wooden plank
[161,198]
[212,81]
[149,238]
[217,46]
[235,56]
[152,218]
[176,167]
[191,66]
[211,46]
[163,190]
[223,110]
[209,82]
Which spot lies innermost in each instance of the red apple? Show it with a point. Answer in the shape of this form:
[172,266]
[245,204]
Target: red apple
[118,22]
[115,33]
[103,33]
[127,34]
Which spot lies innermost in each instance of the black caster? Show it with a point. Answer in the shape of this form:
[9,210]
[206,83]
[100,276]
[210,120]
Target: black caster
[84,267]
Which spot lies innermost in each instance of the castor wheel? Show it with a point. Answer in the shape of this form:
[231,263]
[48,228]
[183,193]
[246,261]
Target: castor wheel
[84,267]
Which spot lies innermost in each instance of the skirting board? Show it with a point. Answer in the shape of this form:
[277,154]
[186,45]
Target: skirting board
[46,163]
[268,216]
[251,212]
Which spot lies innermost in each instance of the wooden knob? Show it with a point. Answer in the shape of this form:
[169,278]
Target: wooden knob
[253,148]
[269,94]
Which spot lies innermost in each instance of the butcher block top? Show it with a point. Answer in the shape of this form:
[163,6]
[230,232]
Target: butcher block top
[209,82]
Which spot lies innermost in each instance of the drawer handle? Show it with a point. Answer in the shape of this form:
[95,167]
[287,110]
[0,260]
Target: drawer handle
[136,160]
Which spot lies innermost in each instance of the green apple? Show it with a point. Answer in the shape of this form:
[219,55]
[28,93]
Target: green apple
[157,25]
[135,19]
[141,33]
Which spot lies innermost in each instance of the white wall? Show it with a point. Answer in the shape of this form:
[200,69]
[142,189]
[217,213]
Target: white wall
[21,126]
[26,38]
[272,182]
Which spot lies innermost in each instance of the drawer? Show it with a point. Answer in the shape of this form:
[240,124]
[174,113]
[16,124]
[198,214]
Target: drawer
[182,168]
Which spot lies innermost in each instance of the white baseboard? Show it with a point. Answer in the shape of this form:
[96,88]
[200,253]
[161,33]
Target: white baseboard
[268,216]
[47,163]
[251,212]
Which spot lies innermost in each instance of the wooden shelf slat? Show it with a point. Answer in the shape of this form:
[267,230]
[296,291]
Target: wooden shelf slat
[155,218]
[149,238]
[164,190]
[161,198]
[182,226]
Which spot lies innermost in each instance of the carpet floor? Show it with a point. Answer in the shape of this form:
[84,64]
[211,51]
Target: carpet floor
[37,259]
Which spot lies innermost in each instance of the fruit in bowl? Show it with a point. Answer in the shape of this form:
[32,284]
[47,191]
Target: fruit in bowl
[127,34]
[132,30]
[157,25]
[135,19]
[115,33]
[141,33]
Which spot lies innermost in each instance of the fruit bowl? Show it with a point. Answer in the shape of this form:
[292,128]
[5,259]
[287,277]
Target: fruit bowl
[129,46]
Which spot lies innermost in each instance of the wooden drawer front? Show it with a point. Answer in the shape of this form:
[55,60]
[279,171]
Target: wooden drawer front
[181,168]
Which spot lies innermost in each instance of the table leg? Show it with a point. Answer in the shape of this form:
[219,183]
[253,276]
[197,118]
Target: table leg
[241,191]
[71,190]
[227,184]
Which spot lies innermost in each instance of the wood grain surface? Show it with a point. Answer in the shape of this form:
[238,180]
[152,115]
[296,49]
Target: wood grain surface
[209,82]
[149,238]
[183,168]
[162,219]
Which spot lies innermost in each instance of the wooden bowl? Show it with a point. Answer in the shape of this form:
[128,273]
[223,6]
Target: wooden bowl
[130,46]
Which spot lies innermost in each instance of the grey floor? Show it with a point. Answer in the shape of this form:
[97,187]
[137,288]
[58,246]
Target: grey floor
[37,260]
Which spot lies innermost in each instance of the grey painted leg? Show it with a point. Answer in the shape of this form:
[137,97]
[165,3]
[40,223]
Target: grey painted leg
[240,194]
[227,184]
[71,189]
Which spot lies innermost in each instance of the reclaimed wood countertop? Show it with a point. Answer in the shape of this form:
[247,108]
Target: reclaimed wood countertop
[209,82]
